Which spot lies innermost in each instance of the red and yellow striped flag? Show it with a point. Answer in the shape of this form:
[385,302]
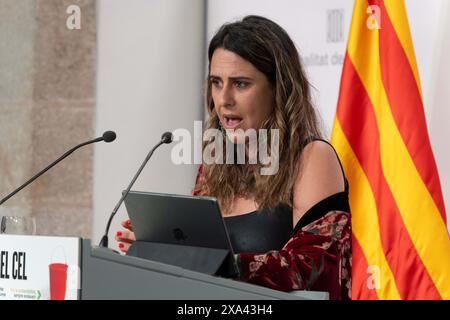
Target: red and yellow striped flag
[401,246]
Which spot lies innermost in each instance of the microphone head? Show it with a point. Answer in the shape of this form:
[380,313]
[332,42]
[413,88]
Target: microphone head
[109,136]
[167,137]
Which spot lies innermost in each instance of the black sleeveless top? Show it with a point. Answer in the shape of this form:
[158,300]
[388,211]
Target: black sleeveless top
[270,229]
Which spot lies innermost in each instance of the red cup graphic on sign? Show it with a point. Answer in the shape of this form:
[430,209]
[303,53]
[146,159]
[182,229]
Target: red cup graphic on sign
[58,281]
[58,275]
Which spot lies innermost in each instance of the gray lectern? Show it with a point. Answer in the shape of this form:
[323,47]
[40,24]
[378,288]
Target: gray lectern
[110,275]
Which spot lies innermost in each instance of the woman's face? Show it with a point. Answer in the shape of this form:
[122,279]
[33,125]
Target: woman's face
[243,97]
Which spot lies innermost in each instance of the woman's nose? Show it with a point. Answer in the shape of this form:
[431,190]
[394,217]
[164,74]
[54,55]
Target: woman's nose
[227,97]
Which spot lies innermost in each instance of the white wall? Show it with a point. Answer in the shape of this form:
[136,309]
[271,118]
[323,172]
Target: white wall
[306,22]
[149,80]
[439,100]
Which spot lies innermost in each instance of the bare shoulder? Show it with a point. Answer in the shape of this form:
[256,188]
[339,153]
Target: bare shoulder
[319,176]
[319,155]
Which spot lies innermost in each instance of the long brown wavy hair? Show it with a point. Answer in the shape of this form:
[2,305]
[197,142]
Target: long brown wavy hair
[269,48]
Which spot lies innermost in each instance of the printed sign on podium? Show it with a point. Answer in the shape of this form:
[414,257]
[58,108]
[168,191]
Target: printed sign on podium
[39,268]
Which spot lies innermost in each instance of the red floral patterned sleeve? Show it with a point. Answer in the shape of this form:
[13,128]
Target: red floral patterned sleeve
[317,257]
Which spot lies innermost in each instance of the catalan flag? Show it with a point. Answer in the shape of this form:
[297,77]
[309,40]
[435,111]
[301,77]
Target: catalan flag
[401,246]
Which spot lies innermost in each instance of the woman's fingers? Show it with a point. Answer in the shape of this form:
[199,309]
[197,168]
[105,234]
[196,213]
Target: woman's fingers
[127,224]
[123,246]
[124,240]
[125,236]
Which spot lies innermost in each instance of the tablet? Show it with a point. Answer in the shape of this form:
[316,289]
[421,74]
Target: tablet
[185,227]
[177,219]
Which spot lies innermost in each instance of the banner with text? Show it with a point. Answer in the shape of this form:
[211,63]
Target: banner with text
[39,268]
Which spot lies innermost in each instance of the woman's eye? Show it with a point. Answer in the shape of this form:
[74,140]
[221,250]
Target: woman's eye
[241,84]
[215,82]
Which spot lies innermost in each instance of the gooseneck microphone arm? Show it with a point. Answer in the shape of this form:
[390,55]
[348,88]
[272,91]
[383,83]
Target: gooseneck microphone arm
[108,136]
[166,138]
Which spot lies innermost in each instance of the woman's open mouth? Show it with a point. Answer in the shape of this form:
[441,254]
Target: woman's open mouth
[232,121]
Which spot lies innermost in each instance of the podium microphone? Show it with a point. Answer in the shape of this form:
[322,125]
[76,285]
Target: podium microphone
[108,136]
[166,137]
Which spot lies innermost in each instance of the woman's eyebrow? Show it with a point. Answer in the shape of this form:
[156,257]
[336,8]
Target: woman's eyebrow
[240,78]
[234,78]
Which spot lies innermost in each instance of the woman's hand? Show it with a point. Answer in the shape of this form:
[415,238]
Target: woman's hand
[126,237]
